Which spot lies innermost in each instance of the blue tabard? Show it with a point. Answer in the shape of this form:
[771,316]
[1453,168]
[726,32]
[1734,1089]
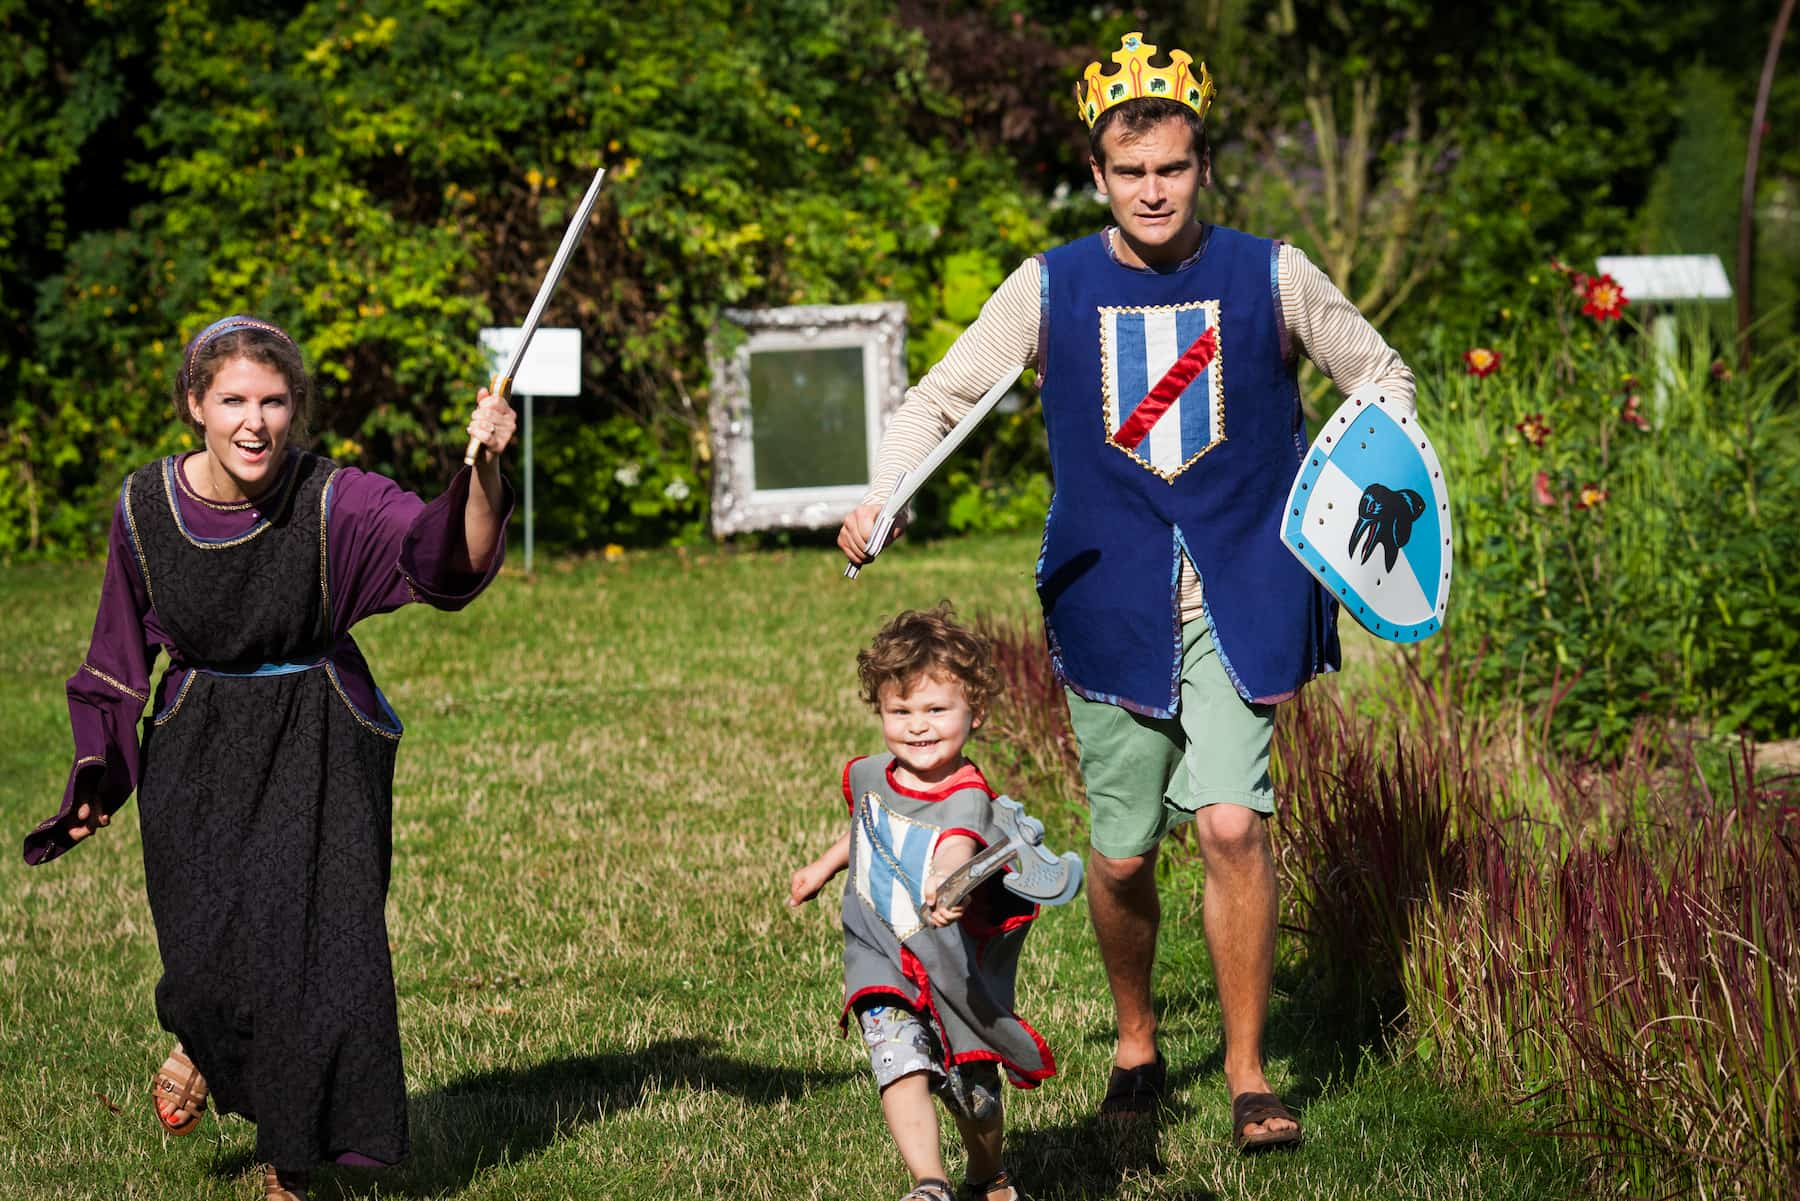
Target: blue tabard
[1174,423]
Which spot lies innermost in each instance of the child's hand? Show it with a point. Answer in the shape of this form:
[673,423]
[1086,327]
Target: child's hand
[804,885]
[945,915]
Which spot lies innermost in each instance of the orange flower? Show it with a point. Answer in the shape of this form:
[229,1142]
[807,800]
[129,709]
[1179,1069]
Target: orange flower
[1540,489]
[1603,298]
[1534,429]
[1591,496]
[1481,361]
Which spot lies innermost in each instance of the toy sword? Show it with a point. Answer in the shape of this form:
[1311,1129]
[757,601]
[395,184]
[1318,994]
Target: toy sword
[1039,875]
[912,481]
[503,382]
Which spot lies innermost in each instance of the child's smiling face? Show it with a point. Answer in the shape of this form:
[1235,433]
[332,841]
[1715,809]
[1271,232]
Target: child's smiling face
[926,726]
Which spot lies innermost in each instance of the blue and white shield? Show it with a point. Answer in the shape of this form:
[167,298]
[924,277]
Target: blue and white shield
[1370,517]
[891,855]
[1161,383]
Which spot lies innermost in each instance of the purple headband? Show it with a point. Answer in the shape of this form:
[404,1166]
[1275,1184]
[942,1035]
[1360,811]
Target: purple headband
[225,325]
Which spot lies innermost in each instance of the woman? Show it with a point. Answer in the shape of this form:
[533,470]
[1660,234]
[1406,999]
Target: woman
[265,776]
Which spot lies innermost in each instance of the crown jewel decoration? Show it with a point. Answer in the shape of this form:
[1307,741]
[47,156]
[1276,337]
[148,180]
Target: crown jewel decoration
[1136,79]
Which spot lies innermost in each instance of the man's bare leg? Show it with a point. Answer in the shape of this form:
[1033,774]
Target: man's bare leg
[1240,917]
[1126,911]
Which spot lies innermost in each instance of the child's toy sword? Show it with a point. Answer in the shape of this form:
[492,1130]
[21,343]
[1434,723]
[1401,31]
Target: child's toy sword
[1040,875]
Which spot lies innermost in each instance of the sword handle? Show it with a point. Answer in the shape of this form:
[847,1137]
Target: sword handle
[503,389]
[877,539]
[972,873]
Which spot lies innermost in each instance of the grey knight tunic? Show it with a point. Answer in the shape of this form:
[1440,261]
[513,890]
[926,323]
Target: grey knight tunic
[959,978]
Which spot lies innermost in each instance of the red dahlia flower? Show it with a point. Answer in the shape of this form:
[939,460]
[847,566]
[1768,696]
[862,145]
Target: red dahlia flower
[1633,412]
[1481,361]
[1603,298]
[1534,429]
[1591,496]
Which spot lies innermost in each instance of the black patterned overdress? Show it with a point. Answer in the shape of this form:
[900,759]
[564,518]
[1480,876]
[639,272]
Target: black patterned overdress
[266,801]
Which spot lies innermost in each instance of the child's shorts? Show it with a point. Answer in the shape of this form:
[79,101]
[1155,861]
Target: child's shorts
[900,1045]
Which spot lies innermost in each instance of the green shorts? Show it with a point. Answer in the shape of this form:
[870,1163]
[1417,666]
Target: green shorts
[1146,775]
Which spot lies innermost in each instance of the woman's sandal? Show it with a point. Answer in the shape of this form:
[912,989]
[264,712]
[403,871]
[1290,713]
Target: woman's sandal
[284,1186]
[986,1189]
[178,1093]
[932,1188]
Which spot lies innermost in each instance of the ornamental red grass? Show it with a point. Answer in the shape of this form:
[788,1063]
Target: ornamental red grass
[1636,978]
[1030,714]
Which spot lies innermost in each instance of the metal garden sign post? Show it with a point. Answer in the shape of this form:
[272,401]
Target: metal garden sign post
[551,367]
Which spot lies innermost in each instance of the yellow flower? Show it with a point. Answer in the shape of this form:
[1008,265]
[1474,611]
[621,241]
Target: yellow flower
[613,552]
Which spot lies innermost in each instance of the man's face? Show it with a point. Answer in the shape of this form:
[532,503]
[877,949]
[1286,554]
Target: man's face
[1152,182]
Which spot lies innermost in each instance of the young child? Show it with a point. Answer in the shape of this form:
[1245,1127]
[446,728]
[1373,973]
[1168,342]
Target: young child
[931,987]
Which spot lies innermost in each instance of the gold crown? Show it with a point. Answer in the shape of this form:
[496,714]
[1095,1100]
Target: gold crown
[1136,79]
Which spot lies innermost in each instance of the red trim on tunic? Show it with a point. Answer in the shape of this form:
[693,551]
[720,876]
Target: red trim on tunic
[966,776]
[914,971]
[849,800]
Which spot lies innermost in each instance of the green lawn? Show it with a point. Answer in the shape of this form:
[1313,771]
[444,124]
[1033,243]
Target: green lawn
[608,773]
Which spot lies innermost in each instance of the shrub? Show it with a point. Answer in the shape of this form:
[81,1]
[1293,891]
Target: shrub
[1623,526]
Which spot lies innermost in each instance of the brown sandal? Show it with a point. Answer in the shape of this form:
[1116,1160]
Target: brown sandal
[1249,1109]
[985,1190]
[284,1186]
[178,1093]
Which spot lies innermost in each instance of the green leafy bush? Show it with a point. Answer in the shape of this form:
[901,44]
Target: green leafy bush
[386,178]
[1624,525]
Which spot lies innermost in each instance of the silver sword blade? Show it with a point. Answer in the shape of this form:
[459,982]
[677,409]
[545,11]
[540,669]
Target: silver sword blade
[571,235]
[912,481]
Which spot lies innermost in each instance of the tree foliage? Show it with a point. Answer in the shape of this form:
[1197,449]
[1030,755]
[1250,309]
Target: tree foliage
[387,177]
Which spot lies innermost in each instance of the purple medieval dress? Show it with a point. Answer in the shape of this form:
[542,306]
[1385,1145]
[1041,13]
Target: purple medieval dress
[264,780]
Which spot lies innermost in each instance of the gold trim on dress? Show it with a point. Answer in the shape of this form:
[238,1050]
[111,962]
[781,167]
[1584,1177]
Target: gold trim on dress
[362,718]
[187,490]
[137,546]
[285,488]
[324,560]
[134,694]
[87,759]
[166,715]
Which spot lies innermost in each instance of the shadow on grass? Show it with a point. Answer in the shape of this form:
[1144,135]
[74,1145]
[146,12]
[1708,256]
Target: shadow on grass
[509,1115]
[1092,1158]
[1324,1042]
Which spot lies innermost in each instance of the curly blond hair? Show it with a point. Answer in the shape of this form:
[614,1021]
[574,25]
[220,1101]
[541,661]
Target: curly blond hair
[921,642]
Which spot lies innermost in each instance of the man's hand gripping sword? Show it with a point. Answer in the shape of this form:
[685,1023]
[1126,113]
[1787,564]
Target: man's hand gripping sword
[915,479]
[1041,875]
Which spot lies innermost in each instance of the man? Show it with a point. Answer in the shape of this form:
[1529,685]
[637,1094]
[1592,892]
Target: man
[1166,351]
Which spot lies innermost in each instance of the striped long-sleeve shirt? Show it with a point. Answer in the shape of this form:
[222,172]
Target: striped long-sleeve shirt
[1004,340]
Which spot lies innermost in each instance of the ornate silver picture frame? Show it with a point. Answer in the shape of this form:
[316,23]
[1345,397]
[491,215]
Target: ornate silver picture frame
[799,399]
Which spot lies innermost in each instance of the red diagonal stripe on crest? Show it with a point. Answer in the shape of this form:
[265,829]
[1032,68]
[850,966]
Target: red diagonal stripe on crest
[1194,360]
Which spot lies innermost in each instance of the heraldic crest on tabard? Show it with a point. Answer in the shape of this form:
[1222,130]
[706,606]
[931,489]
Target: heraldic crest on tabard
[892,855]
[1161,382]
